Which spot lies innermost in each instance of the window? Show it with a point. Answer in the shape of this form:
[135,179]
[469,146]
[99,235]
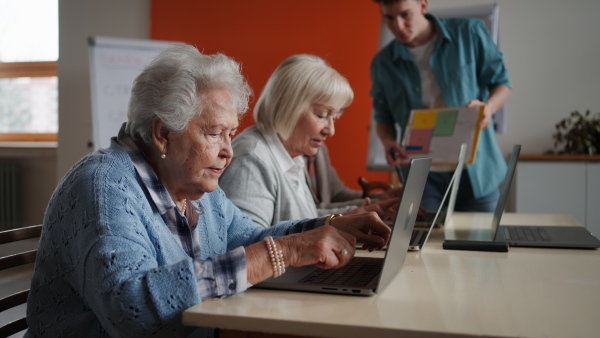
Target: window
[28,81]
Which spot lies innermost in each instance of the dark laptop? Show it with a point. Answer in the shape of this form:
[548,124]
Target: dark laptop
[574,237]
[364,276]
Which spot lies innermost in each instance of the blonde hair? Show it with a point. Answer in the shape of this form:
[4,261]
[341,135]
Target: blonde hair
[298,82]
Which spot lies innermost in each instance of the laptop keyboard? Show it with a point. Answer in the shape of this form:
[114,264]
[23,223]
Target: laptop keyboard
[358,272]
[531,234]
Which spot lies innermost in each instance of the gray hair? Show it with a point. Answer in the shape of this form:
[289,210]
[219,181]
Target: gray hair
[298,82]
[171,88]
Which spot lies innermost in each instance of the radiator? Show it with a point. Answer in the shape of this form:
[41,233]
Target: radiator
[10,196]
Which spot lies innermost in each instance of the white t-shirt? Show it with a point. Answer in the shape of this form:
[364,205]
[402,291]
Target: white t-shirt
[431,95]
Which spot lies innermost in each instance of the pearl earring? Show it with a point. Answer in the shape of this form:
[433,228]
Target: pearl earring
[163,156]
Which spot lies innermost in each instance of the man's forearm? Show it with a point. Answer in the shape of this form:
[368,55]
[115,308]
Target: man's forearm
[386,132]
[498,97]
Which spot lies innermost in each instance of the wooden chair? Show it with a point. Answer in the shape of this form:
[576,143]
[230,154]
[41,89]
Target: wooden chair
[369,187]
[18,247]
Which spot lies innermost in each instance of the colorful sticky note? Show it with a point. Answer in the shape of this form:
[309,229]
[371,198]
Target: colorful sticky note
[445,123]
[420,140]
[424,120]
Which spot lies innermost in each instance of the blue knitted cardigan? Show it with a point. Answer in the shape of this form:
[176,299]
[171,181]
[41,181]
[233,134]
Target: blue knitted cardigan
[107,264]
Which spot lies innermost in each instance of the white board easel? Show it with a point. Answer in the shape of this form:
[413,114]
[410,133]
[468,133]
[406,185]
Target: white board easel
[114,64]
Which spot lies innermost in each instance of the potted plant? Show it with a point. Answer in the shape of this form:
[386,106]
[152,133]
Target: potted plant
[578,134]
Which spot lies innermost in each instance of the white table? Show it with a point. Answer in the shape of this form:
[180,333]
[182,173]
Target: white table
[526,292]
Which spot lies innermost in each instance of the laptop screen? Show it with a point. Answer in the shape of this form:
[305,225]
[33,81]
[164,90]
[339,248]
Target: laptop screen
[405,219]
[504,188]
[457,175]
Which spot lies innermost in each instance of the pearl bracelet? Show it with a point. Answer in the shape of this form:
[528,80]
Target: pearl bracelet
[276,257]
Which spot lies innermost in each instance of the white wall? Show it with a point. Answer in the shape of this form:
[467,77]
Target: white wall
[552,51]
[79,20]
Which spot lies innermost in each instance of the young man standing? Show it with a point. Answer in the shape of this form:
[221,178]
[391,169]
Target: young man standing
[433,63]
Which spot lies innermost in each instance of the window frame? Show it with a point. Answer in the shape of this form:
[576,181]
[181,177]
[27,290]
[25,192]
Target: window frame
[9,70]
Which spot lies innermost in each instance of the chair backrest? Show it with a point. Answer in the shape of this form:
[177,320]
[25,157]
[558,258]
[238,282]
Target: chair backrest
[18,247]
[368,187]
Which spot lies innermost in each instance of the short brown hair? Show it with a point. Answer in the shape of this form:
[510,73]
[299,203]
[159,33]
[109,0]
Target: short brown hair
[389,2]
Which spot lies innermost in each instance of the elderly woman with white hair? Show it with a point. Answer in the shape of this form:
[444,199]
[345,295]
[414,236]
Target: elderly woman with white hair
[295,114]
[136,233]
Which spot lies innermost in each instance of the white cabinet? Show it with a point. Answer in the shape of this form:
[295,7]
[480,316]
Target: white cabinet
[560,187]
[592,215]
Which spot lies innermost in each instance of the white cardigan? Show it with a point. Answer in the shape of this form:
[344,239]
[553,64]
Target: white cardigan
[255,183]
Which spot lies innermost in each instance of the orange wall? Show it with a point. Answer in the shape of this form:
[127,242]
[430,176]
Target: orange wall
[262,33]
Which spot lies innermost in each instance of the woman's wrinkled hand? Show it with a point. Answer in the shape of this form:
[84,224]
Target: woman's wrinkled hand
[385,209]
[327,247]
[391,193]
[367,228]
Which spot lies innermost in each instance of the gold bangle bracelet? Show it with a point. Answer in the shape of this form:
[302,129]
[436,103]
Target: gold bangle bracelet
[330,218]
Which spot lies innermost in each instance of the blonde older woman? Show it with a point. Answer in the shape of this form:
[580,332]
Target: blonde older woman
[295,114]
[136,233]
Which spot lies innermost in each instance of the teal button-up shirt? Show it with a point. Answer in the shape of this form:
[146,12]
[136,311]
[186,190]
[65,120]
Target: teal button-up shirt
[467,66]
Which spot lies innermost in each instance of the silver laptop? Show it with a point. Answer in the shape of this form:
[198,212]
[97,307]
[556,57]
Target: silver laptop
[574,237]
[457,175]
[423,229]
[443,216]
[372,274]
